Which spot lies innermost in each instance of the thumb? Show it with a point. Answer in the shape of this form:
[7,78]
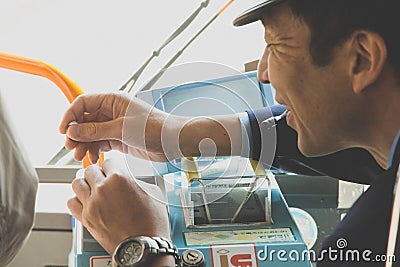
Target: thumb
[96,131]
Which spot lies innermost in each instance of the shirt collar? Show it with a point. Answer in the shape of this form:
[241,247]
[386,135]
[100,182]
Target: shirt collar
[393,150]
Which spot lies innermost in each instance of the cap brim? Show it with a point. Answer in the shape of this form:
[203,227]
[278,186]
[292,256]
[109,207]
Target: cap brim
[254,14]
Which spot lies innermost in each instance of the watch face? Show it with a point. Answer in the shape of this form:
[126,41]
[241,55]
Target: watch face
[130,253]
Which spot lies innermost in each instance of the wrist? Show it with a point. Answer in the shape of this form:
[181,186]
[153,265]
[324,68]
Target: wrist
[171,137]
[211,136]
[144,251]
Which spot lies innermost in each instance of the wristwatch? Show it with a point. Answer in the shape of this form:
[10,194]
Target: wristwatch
[139,251]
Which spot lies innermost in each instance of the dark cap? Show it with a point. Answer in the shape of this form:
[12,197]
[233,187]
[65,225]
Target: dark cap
[254,13]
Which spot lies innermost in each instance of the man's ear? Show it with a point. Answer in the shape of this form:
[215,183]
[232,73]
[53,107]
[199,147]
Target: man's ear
[369,54]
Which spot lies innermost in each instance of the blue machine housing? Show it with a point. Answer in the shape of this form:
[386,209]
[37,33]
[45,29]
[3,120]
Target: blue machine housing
[279,244]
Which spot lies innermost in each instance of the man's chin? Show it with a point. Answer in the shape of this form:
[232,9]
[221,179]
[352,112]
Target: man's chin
[314,150]
[310,149]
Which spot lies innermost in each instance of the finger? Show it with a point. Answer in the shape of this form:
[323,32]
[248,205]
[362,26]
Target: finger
[81,189]
[70,144]
[96,131]
[94,152]
[76,208]
[94,155]
[111,166]
[80,151]
[94,176]
[96,148]
[77,109]
[97,116]
[117,145]
[90,103]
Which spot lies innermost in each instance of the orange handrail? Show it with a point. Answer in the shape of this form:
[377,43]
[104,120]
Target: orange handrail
[70,89]
[32,66]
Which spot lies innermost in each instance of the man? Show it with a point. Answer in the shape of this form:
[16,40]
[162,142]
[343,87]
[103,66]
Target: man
[18,185]
[335,66]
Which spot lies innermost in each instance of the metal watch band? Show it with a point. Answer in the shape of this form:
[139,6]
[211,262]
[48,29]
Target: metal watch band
[166,247]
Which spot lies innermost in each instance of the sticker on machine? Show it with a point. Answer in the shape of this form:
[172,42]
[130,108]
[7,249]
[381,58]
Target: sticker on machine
[101,261]
[234,255]
[239,236]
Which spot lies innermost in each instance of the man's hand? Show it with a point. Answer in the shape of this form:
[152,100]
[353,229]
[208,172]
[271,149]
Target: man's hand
[112,205]
[115,122]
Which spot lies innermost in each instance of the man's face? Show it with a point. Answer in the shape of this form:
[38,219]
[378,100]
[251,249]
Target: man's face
[316,97]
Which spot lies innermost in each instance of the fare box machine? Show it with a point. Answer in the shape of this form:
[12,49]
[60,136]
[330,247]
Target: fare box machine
[219,218]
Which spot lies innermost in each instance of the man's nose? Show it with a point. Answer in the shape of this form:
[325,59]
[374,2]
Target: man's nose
[262,69]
